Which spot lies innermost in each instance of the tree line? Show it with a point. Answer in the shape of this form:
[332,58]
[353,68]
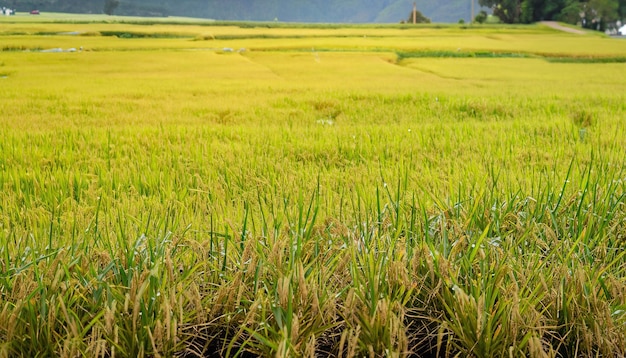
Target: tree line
[593,14]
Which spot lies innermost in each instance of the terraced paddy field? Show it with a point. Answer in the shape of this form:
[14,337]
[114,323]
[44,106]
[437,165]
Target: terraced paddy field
[186,188]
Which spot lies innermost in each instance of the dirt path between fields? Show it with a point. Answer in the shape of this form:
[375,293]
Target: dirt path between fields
[555,25]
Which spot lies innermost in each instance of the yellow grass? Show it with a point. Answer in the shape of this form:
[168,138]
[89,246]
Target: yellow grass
[353,191]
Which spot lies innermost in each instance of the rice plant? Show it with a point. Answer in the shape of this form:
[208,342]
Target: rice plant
[160,196]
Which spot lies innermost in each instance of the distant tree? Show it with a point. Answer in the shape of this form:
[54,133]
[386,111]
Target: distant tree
[598,13]
[594,14]
[481,17]
[621,9]
[605,9]
[419,18]
[507,10]
[571,12]
[539,10]
[110,6]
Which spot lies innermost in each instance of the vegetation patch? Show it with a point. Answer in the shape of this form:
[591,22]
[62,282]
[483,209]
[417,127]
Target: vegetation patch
[556,58]
[461,54]
[618,59]
[141,35]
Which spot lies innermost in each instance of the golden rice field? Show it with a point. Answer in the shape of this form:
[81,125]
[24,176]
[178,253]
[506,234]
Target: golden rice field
[178,188]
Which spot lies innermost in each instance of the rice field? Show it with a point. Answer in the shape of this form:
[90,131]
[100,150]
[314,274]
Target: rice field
[200,189]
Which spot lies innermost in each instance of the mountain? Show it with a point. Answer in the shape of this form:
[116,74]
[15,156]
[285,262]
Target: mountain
[342,11]
[348,11]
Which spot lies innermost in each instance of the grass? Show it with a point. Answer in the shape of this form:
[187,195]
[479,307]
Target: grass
[163,197]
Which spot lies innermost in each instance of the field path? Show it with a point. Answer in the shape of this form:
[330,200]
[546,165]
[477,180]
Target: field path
[555,25]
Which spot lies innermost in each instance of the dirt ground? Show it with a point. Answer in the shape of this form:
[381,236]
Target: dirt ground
[557,26]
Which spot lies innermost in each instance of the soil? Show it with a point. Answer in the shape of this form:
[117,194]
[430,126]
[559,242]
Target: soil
[557,26]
